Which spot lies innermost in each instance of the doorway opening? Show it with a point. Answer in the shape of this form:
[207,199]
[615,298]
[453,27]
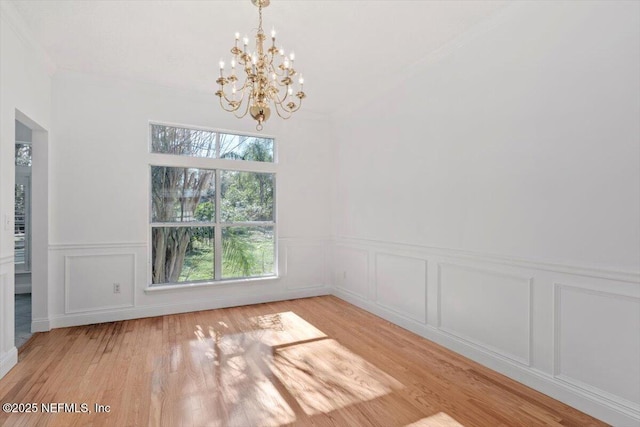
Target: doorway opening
[31,234]
[22,233]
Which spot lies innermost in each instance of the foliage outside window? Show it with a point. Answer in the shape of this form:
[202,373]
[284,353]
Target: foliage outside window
[23,154]
[211,223]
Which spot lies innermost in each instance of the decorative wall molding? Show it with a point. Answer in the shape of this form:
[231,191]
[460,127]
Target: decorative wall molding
[291,241]
[595,404]
[141,311]
[632,408]
[529,360]
[95,246]
[558,287]
[526,360]
[68,285]
[304,240]
[306,287]
[342,276]
[627,405]
[302,276]
[597,273]
[359,259]
[401,311]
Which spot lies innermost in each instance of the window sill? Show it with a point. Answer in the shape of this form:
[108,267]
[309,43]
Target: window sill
[198,285]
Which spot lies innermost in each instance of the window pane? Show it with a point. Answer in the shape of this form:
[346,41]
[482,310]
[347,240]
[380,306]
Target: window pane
[246,196]
[241,147]
[23,154]
[185,142]
[247,252]
[182,254]
[182,194]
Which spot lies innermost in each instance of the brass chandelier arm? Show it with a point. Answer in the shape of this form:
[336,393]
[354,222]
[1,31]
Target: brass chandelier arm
[232,105]
[246,110]
[282,112]
[235,110]
[285,108]
[231,101]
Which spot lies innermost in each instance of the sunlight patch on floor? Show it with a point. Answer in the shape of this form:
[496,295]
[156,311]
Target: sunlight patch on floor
[285,328]
[276,364]
[438,420]
[324,376]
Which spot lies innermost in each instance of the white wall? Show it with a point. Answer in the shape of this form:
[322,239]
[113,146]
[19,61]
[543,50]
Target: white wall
[25,92]
[491,200]
[100,201]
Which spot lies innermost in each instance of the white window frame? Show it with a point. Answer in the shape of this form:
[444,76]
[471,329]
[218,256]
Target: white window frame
[218,165]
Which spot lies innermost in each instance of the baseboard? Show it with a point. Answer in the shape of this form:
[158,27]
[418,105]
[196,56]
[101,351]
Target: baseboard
[8,360]
[40,325]
[78,319]
[592,404]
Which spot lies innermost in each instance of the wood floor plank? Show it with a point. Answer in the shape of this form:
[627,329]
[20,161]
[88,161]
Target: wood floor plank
[309,362]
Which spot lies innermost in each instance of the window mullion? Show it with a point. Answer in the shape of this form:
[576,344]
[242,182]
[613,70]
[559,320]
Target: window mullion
[217,145]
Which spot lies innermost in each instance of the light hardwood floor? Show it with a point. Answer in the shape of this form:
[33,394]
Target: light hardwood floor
[315,361]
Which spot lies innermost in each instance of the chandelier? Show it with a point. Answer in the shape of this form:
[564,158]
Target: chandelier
[267,78]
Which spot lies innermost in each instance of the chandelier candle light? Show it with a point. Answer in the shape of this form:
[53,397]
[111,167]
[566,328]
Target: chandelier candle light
[265,82]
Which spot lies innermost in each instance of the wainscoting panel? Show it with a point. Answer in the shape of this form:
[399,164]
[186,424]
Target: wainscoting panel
[597,337]
[302,268]
[8,352]
[352,270]
[571,332]
[5,293]
[401,285]
[487,308]
[82,278]
[90,280]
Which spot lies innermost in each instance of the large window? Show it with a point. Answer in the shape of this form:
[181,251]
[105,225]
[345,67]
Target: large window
[212,206]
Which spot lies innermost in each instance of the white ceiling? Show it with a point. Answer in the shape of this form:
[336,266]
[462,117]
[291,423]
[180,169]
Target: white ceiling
[345,49]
